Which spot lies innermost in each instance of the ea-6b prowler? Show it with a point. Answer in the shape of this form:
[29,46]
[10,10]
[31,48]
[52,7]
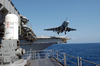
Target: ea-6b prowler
[60,29]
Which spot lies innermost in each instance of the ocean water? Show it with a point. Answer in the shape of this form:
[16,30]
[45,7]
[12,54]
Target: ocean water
[88,51]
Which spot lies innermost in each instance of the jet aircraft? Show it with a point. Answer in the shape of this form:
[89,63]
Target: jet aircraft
[62,28]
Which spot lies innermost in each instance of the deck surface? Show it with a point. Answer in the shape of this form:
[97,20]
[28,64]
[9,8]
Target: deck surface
[43,62]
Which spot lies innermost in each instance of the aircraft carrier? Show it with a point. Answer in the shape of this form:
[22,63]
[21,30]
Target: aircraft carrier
[19,35]
[14,33]
[26,34]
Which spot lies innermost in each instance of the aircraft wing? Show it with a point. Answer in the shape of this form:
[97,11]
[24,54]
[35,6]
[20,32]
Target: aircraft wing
[53,29]
[70,29]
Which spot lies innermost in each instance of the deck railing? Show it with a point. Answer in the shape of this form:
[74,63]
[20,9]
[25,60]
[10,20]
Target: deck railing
[37,54]
[62,58]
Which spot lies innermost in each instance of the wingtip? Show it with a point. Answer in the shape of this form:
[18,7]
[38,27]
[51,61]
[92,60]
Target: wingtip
[45,29]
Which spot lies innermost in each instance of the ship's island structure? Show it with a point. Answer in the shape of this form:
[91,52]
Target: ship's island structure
[15,32]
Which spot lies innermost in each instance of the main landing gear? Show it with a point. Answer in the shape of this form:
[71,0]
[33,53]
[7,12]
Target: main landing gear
[58,33]
[65,32]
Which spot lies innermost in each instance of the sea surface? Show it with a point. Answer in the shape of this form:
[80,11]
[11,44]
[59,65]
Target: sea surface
[87,51]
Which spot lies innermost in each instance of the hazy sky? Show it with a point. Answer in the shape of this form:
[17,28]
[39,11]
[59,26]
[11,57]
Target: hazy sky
[83,15]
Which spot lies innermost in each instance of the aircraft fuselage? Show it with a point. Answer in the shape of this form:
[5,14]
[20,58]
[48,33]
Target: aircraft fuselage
[63,26]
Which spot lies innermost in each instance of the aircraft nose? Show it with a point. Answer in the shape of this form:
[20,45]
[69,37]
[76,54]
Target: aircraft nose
[67,21]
